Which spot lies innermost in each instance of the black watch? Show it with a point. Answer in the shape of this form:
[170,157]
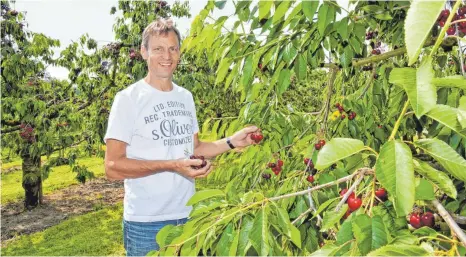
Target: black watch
[229,143]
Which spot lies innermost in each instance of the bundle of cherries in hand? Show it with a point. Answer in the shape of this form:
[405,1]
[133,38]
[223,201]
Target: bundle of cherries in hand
[257,137]
[204,162]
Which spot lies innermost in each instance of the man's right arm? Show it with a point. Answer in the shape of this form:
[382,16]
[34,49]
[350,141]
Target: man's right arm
[119,167]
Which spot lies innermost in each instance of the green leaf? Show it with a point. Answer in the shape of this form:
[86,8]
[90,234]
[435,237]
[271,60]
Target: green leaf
[423,96]
[394,169]
[403,77]
[204,194]
[260,233]
[280,11]
[399,250]
[370,233]
[437,177]
[301,66]
[247,70]
[342,28]
[243,242]
[424,191]
[222,70]
[326,250]
[162,235]
[462,112]
[225,241]
[416,29]
[264,8]
[372,8]
[337,149]
[332,217]
[345,233]
[234,246]
[284,80]
[309,9]
[322,18]
[456,81]
[445,155]
[448,116]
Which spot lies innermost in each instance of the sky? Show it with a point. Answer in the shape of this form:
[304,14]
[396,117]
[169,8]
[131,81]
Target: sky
[68,20]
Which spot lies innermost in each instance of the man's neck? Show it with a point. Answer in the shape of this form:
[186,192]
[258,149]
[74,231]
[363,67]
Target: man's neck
[160,84]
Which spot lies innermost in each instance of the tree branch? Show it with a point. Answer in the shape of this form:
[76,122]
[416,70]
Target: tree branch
[449,220]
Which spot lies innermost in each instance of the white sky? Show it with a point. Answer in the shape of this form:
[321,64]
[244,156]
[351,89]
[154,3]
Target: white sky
[67,20]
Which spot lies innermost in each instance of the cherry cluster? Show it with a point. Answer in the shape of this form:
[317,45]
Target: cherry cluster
[371,34]
[458,16]
[353,202]
[27,133]
[418,220]
[310,168]
[276,166]
[351,114]
[257,137]
[204,162]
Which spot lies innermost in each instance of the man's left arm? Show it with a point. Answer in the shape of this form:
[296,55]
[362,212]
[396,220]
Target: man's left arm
[240,139]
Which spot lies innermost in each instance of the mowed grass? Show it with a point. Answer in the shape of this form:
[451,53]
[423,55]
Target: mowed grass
[93,234]
[60,177]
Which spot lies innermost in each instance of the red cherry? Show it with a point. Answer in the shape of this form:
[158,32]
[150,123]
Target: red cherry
[259,66]
[343,192]
[306,160]
[253,136]
[340,108]
[451,31]
[318,146]
[310,178]
[381,194]
[427,219]
[280,163]
[259,138]
[337,105]
[343,116]
[415,220]
[354,203]
[322,142]
[271,165]
[445,13]
[461,11]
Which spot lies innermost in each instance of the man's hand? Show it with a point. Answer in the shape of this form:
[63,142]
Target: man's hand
[185,168]
[242,138]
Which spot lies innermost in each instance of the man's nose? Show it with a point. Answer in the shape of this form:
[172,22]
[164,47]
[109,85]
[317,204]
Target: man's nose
[166,55]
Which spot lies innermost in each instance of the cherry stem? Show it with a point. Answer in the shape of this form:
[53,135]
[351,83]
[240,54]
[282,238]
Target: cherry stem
[457,21]
[351,189]
[398,122]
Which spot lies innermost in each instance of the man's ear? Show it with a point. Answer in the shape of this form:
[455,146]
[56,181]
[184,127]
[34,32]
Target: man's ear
[144,52]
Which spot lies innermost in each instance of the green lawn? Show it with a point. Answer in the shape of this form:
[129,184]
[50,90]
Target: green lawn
[60,177]
[93,234]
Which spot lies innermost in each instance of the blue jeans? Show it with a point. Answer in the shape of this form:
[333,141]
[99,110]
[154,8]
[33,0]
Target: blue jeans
[139,237]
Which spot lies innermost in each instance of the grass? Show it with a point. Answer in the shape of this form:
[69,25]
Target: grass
[60,177]
[93,234]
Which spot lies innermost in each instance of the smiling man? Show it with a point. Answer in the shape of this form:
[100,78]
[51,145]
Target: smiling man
[152,133]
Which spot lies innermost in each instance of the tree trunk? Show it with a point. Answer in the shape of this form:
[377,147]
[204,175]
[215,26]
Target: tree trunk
[32,181]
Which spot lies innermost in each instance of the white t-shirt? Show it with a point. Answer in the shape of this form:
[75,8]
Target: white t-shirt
[156,125]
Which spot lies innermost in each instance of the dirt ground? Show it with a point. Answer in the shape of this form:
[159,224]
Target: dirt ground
[58,206]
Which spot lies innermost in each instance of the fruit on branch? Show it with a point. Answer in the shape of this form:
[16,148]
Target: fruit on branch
[317,146]
[310,178]
[427,219]
[347,214]
[354,203]
[271,165]
[375,51]
[451,31]
[200,157]
[381,193]
[280,163]
[343,192]
[352,115]
[322,142]
[376,76]
[415,220]
[266,175]
[343,116]
[309,164]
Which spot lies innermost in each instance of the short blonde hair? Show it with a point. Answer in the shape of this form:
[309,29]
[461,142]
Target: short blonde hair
[161,26]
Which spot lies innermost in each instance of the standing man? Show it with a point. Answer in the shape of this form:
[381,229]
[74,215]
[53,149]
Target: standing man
[152,132]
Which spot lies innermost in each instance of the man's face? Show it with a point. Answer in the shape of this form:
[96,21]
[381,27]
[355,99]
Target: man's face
[162,55]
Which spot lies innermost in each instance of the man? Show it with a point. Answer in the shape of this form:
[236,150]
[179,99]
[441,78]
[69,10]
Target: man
[152,132]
